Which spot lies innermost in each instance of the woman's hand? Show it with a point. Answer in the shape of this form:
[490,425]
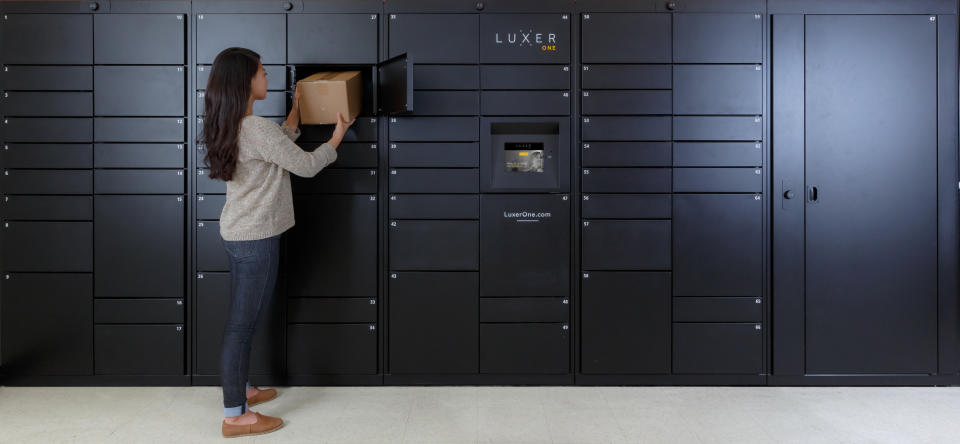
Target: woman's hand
[342,126]
[293,119]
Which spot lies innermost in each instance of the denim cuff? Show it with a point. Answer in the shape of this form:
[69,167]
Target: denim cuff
[229,412]
[248,385]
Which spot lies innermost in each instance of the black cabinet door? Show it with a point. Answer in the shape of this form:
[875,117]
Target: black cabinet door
[626,245]
[625,38]
[264,34]
[276,79]
[651,128]
[626,180]
[125,349]
[48,246]
[441,129]
[525,309]
[424,180]
[717,128]
[435,155]
[62,208]
[613,102]
[717,180]
[435,206]
[47,78]
[363,130]
[317,349]
[445,77]
[717,154]
[65,39]
[625,322]
[717,89]
[332,310]
[42,104]
[717,348]
[446,103]
[138,311]
[207,185]
[626,206]
[718,38]
[525,103]
[337,180]
[433,322]
[139,90]
[273,105]
[347,38]
[139,155]
[47,181]
[525,38]
[525,245]
[213,306]
[595,77]
[435,38]
[211,256]
[525,77]
[139,39]
[47,129]
[527,348]
[139,129]
[626,154]
[139,181]
[352,154]
[139,246]
[434,245]
[46,324]
[210,206]
[342,261]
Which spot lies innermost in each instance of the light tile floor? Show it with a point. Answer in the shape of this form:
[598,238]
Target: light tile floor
[454,415]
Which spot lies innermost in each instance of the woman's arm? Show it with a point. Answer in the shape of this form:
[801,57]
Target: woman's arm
[293,119]
[274,146]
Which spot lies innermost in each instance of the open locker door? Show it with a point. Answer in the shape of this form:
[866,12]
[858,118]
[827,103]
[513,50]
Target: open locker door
[395,85]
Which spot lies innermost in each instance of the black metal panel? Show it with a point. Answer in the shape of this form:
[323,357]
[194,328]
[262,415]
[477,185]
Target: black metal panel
[718,38]
[363,130]
[276,78]
[446,103]
[435,38]
[47,208]
[717,154]
[625,322]
[862,7]
[716,348]
[33,155]
[351,154]
[139,246]
[525,77]
[626,154]
[139,349]
[434,206]
[717,309]
[340,181]
[138,311]
[425,129]
[45,129]
[332,310]
[718,128]
[453,180]
[434,155]
[718,180]
[524,348]
[47,78]
[139,181]
[211,256]
[210,206]
[347,38]
[626,102]
[525,103]
[434,245]
[154,39]
[47,181]
[139,129]
[314,349]
[138,155]
[525,247]
[626,77]
[207,185]
[626,245]
[47,39]
[626,128]
[264,34]
[626,206]
[343,261]
[46,104]
[626,180]
[273,105]
[139,90]
[531,309]
[46,324]
[427,77]
[948,226]
[717,89]
[625,38]
[525,38]
[433,322]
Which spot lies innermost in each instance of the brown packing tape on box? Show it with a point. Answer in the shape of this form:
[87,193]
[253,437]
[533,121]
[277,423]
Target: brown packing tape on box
[324,94]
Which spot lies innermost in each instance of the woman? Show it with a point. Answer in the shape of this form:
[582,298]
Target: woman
[254,156]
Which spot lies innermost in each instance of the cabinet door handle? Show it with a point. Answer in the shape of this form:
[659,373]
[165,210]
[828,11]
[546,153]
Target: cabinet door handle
[813,194]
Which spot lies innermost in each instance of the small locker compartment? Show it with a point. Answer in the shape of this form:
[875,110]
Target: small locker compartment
[47,208]
[525,348]
[626,245]
[446,103]
[718,38]
[594,77]
[337,180]
[525,103]
[37,155]
[433,322]
[435,38]
[123,349]
[435,155]
[139,129]
[525,154]
[613,102]
[717,309]
[207,185]
[47,181]
[651,128]
[139,181]
[211,255]
[47,39]
[273,105]
[434,206]
[626,206]
[717,89]
[139,155]
[423,180]
[712,180]
[445,77]
[428,129]
[625,322]
[534,309]
[723,257]
[139,90]
[718,128]
[505,77]
[626,154]
[343,260]
[317,349]
[265,34]
[434,244]
[276,79]
[347,38]
[350,154]
[332,310]
[47,78]
[717,154]
[48,129]
[138,311]
[48,246]
[213,304]
[210,206]
[525,247]
[625,38]
[525,38]
[45,103]
[139,39]
[363,130]
[717,348]
[46,324]
[626,180]
[139,246]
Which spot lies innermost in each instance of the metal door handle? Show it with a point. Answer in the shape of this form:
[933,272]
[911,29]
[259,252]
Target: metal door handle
[813,195]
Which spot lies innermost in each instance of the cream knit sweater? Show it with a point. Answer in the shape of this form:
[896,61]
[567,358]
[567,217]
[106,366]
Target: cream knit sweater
[259,202]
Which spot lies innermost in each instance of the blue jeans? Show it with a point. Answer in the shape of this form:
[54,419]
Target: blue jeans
[253,278]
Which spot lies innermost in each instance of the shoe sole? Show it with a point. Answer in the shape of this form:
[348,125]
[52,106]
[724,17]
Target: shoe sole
[265,400]
[258,433]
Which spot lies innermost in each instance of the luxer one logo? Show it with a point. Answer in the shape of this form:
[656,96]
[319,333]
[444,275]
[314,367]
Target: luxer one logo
[526,216]
[546,42]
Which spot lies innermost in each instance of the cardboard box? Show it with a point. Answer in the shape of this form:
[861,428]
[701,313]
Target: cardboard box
[324,94]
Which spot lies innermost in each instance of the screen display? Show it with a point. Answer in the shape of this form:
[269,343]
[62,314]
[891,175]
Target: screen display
[523,157]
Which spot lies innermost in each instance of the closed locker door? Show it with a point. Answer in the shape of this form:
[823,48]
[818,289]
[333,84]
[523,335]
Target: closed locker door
[264,34]
[342,261]
[444,245]
[347,38]
[42,39]
[139,246]
[626,244]
[46,324]
[131,349]
[524,38]
[139,39]
[871,168]
[318,349]
[433,322]
[435,38]
[525,348]
[139,90]
[48,246]
[211,256]
[47,78]
[718,38]
[625,38]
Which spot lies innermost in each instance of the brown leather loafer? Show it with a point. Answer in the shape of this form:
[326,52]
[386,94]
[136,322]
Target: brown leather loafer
[261,397]
[264,424]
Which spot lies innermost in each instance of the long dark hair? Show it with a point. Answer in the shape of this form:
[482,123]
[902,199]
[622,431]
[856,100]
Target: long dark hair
[225,104]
